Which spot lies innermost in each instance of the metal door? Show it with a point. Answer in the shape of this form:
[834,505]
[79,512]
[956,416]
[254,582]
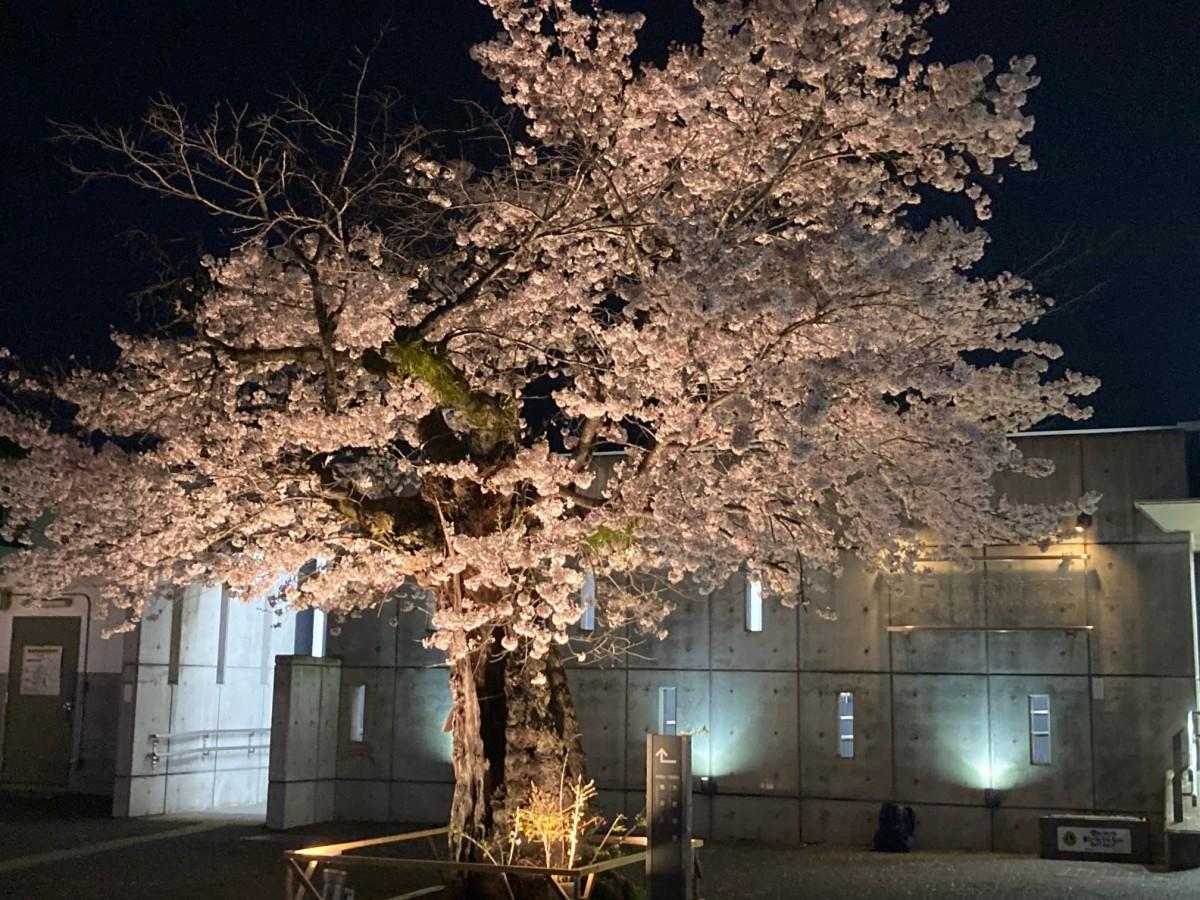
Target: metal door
[41,699]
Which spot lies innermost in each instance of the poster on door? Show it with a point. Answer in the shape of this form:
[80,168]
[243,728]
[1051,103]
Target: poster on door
[41,670]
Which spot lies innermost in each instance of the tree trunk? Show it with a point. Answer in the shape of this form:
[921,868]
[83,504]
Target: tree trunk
[512,729]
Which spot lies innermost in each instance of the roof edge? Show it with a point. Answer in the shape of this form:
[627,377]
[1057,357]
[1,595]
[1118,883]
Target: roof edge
[1067,432]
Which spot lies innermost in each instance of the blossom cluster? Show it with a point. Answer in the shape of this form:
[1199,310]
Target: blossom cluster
[705,268]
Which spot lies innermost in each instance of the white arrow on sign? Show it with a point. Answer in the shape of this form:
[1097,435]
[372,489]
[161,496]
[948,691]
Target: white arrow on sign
[662,757]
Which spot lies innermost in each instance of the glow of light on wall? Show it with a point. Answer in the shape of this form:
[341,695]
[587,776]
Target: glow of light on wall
[732,755]
[434,747]
[737,750]
[979,772]
[445,751]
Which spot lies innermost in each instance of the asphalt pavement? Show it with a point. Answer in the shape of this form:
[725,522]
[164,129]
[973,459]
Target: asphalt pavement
[61,848]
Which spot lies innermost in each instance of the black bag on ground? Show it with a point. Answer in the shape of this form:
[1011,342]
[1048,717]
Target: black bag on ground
[897,827]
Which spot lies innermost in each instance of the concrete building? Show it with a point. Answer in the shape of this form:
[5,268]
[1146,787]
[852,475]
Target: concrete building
[194,729]
[172,717]
[62,730]
[1039,681]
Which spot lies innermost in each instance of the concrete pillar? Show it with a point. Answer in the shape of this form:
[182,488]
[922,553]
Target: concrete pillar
[145,709]
[304,719]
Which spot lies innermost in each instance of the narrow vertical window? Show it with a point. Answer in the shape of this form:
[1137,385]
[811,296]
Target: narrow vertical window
[358,713]
[587,596]
[666,711]
[754,602]
[266,661]
[222,636]
[1039,729]
[846,725]
[176,646]
[318,632]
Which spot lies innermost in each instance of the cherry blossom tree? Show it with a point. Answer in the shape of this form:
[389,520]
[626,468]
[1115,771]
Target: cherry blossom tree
[402,371]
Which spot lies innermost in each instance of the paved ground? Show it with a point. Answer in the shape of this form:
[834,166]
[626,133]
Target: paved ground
[58,849]
[748,873]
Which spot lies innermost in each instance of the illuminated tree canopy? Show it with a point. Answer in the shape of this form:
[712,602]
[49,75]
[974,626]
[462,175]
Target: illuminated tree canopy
[404,367]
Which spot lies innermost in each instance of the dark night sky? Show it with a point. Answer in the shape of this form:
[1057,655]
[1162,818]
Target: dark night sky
[1117,143]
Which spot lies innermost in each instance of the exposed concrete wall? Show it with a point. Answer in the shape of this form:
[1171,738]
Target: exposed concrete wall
[304,741]
[601,705]
[1135,599]
[824,774]
[1067,781]
[1128,467]
[941,737]
[400,771]
[855,639]
[941,716]
[1134,722]
[196,678]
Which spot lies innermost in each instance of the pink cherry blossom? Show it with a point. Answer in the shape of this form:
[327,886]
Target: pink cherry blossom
[708,265]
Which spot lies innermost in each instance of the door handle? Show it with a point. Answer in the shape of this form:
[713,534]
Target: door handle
[68,706]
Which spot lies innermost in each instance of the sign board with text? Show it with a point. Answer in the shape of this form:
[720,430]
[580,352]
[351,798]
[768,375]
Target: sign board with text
[1104,838]
[1117,841]
[669,817]
[41,670]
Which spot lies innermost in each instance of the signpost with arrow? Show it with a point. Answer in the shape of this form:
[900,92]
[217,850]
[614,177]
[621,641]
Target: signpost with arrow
[669,816]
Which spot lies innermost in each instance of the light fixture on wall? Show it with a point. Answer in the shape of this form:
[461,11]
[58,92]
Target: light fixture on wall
[1083,522]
